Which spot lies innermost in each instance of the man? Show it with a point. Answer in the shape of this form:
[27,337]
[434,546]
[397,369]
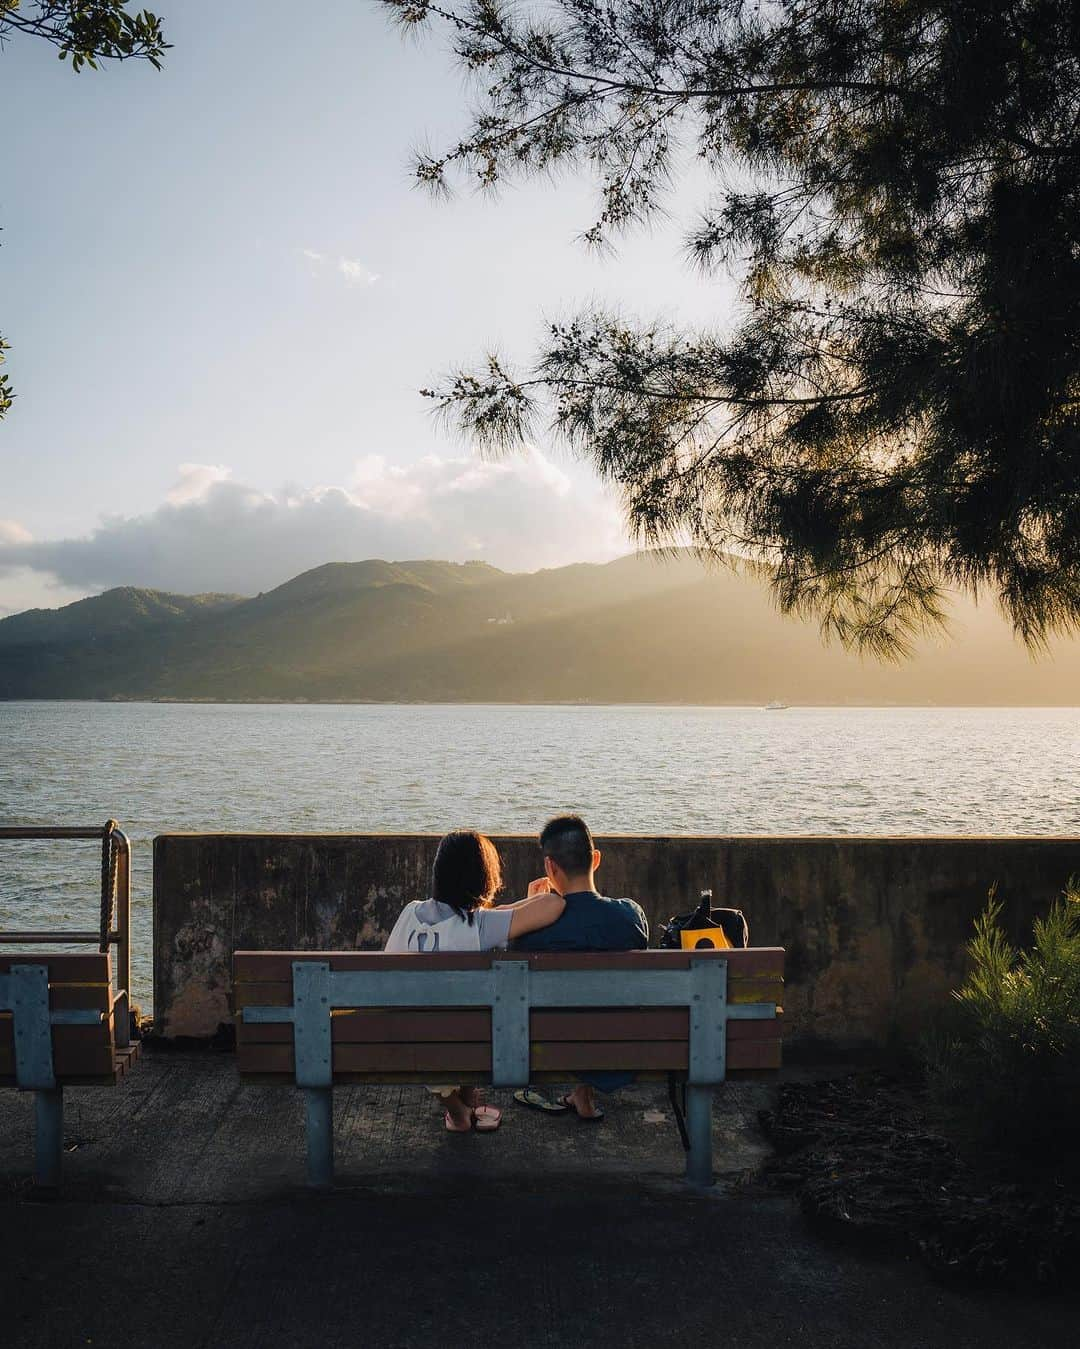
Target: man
[589,922]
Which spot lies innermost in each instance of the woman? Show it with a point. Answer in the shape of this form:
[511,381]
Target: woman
[459,916]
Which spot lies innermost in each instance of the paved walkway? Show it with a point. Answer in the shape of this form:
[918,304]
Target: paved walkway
[184,1222]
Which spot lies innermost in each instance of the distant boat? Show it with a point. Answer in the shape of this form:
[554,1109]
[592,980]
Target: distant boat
[775,707]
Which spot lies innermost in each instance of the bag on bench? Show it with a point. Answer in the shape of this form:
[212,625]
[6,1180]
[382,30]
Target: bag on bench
[687,931]
[730,924]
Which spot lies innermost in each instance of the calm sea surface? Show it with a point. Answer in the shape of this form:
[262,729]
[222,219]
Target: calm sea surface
[670,770]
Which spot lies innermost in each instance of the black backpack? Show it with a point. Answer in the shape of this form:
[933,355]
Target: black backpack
[732,922]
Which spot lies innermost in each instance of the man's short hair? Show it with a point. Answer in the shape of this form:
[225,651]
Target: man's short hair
[568,842]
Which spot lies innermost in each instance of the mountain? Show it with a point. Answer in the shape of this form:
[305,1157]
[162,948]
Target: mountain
[641,629]
[127,609]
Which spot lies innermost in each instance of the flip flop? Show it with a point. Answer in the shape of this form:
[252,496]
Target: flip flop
[452,1128]
[486,1119]
[536,1100]
[585,1119]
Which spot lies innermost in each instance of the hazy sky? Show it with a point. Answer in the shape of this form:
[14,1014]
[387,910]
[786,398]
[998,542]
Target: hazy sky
[223,292]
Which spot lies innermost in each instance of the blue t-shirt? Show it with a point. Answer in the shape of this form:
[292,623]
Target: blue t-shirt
[591,923]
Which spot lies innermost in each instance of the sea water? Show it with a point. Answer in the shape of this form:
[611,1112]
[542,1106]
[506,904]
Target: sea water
[628,769]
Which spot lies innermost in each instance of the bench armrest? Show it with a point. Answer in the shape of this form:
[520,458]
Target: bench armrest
[121,1006]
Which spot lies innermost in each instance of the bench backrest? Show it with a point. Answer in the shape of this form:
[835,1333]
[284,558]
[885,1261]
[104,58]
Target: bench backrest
[56,1020]
[439,1017]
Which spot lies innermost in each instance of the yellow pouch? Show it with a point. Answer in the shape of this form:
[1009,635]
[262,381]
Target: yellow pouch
[704,938]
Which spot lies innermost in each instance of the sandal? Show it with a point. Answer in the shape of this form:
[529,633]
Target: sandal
[485,1120]
[536,1100]
[585,1119]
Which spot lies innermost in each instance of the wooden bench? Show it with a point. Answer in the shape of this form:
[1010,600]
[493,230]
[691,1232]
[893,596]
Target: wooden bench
[61,1024]
[317,1018]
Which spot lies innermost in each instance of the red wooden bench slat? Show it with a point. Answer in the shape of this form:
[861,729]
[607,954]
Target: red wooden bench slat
[122,1061]
[67,996]
[751,962]
[269,966]
[445,1062]
[450,1026]
[756,990]
[279,993]
[66,1036]
[64,966]
[82,1060]
[384,1026]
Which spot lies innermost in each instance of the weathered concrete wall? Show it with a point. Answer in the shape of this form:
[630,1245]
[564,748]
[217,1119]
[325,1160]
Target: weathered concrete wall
[875,928]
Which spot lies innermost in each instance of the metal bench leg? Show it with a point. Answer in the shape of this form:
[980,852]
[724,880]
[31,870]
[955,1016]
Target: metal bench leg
[319,1102]
[699,1129]
[48,1135]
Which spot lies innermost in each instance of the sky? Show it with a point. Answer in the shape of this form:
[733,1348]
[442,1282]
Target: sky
[223,293]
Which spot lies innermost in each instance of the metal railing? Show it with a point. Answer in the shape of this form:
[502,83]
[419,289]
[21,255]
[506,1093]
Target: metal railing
[114,925]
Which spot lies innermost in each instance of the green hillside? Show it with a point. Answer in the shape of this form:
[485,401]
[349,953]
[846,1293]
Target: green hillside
[639,629]
[123,610]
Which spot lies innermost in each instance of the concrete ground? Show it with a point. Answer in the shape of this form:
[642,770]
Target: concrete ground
[184,1222]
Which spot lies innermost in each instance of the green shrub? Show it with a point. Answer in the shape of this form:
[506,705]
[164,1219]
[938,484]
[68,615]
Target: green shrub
[1007,1069]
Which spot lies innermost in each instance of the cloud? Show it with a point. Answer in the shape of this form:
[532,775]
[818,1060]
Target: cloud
[213,533]
[355,272]
[21,588]
[194,481]
[11,532]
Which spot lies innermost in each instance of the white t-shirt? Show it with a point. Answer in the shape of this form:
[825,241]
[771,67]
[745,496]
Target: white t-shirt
[427,925]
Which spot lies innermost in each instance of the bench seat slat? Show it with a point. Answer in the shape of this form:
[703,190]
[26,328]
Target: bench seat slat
[376,1026]
[280,994]
[63,966]
[82,1060]
[67,997]
[756,990]
[449,1026]
[765,962]
[467,1079]
[121,1065]
[276,994]
[272,966]
[447,1062]
[666,1055]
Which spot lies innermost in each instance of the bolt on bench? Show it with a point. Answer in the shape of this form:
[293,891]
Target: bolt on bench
[317,1018]
[63,1021]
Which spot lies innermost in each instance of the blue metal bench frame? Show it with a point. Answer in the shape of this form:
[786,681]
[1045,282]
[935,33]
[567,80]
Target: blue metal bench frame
[510,988]
[24,992]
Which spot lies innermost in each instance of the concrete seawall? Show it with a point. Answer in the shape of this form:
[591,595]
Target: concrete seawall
[875,928]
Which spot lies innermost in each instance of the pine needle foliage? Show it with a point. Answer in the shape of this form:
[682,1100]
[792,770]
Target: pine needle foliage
[893,412]
[1008,1070]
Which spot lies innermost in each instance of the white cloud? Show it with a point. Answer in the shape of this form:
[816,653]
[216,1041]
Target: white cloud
[194,481]
[21,588]
[355,273]
[12,532]
[212,533]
